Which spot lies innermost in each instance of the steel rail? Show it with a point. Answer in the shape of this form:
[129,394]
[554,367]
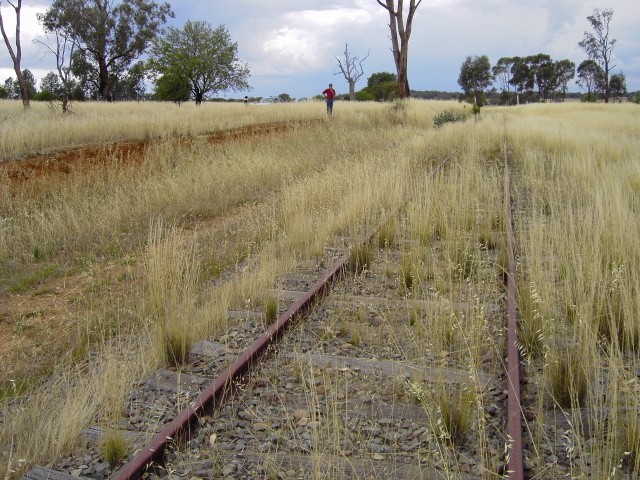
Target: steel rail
[515,469]
[152,453]
[224,384]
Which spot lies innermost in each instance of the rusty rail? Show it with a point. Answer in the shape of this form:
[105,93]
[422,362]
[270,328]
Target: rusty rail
[515,470]
[224,384]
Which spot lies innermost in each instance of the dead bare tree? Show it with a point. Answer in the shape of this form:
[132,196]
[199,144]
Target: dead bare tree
[16,56]
[400,33]
[64,55]
[351,68]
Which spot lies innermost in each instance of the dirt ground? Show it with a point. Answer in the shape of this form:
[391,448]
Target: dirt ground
[35,324]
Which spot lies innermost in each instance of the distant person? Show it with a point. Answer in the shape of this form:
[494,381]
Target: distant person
[329,93]
[246,100]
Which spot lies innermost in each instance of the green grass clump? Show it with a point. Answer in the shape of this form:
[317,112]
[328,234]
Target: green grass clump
[271,309]
[113,447]
[568,382]
[448,116]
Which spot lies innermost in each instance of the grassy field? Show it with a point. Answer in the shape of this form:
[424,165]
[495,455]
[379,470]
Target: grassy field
[102,267]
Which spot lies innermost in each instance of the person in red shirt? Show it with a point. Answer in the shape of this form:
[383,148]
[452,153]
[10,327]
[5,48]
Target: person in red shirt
[329,93]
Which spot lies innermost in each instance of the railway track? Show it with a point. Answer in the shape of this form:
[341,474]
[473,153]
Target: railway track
[397,371]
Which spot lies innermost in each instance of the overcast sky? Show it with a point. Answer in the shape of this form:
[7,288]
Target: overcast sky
[290,45]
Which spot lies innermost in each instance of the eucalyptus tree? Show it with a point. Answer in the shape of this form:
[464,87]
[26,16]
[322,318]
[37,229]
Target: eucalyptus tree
[205,56]
[618,85]
[400,32]
[108,35]
[599,46]
[16,55]
[543,71]
[565,71]
[589,77]
[522,76]
[502,73]
[475,77]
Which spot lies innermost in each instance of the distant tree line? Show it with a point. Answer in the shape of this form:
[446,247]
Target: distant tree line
[538,78]
[97,48]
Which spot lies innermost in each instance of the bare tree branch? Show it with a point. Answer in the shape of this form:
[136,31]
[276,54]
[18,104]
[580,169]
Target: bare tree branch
[351,68]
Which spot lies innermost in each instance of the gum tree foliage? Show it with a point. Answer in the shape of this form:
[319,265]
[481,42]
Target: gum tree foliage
[205,56]
[400,32]
[10,89]
[599,47]
[475,77]
[543,71]
[381,86]
[351,69]
[16,55]
[3,94]
[172,88]
[618,85]
[589,78]
[502,73]
[522,77]
[130,85]
[51,83]
[565,71]
[108,35]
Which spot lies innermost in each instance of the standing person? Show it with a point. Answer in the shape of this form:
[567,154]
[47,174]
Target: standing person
[246,100]
[329,93]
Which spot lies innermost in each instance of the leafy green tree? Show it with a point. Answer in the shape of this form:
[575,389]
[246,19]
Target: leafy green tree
[364,95]
[618,85]
[45,96]
[51,83]
[522,77]
[130,85]
[205,56]
[12,88]
[108,36]
[599,47]
[565,71]
[543,72]
[29,83]
[589,77]
[383,86]
[172,87]
[475,77]
[502,73]
[285,97]
[3,93]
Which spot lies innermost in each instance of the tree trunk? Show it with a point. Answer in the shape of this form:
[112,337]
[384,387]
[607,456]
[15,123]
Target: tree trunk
[17,55]
[352,89]
[400,33]
[103,73]
[199,98]
[24,93]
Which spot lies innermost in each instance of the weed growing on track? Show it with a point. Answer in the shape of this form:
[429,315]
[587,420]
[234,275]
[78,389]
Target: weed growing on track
[113,447]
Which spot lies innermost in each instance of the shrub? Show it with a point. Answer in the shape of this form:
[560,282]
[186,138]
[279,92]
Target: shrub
[448,116]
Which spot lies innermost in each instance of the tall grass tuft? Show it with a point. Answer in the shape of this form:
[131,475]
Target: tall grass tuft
[113,447]
[568,382]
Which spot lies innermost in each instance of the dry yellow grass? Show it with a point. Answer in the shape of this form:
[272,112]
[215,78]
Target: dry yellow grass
[577,184]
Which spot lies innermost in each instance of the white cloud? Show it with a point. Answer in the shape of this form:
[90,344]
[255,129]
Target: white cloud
[307,41]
